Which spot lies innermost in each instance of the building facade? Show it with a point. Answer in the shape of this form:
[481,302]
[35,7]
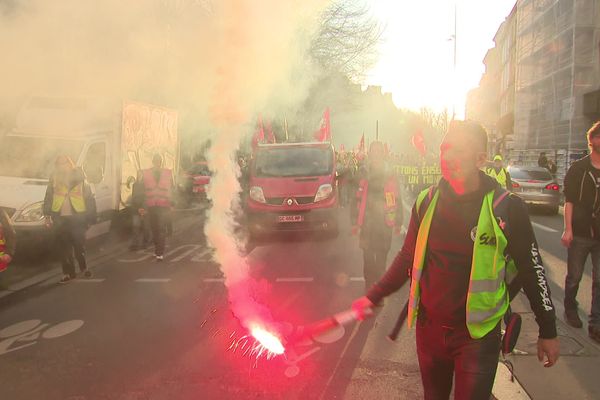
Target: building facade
[550,79]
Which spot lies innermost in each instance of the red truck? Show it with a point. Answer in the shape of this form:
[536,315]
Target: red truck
[292,187]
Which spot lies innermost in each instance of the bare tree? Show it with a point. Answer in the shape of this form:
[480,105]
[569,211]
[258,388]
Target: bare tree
[347,39]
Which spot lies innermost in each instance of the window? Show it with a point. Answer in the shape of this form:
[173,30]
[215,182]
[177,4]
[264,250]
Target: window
[94,163]
[294,162]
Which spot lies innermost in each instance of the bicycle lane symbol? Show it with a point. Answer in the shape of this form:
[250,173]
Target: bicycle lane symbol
[293,358]
[27,333]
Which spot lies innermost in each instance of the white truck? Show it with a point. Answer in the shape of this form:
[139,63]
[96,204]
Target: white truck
[110,141]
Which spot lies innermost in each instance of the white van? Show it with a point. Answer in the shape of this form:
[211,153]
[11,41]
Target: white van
[110,141]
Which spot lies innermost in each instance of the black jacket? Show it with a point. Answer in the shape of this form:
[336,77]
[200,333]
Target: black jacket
[77,177]
[451,262]
[581,190]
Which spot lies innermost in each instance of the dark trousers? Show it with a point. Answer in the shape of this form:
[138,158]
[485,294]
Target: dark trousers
[70,238]
[141,230]
[374,265]
[578,253]
[158,217]
[446,352]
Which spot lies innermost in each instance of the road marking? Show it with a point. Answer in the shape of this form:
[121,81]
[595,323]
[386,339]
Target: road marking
[214,280]
[309,279]
[340,359]
[90,280]
[191,249]
[505,389]
[153,280]
[203,256]
[30,331]
[357,279]
[543,227]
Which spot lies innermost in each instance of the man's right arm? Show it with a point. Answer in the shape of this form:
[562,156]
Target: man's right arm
[567,236]
[570,191]
[399,272]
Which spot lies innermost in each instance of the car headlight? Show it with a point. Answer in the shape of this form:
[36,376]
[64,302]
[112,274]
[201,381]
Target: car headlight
[324,192]
[31,213]
[256,194]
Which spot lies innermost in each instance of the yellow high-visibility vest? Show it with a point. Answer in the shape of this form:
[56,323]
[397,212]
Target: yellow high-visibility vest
[75,196]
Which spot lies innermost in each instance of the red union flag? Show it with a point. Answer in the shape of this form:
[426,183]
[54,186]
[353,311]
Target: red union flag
[324,132]
[360,150]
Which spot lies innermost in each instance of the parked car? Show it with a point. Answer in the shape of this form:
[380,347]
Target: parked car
[536,186]
[292,187]
[193,182]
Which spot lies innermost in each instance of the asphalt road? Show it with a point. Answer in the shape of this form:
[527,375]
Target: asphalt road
[146,330]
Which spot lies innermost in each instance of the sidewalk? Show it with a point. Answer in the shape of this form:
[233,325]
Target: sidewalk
[575,376]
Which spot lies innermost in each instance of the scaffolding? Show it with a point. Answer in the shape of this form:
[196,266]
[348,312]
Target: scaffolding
[557,59]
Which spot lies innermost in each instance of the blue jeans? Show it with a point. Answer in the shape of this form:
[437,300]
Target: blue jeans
[446,352]
[577,255]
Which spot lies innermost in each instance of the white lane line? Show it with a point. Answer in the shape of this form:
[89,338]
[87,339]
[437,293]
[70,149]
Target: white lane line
[505,389]
[543,227]
[214,280]
[90,280]
[357,279]
[153,280]
[309,279]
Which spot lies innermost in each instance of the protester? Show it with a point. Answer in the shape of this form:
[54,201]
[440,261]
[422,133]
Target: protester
[156,195]
[377,212]
[457,252]
[582,231]
[70,208]
[8,245]
[543,160]
[499,173]
[142,235]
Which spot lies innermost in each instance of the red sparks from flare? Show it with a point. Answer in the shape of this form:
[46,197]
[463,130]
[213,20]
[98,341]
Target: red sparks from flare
[258,343]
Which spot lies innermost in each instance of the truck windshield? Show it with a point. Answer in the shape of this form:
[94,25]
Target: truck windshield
[294,161]
[33,157]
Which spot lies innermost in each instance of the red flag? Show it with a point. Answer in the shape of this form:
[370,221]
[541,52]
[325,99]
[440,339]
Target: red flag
[418,141]
[360,153]
[259,135]
[324,132]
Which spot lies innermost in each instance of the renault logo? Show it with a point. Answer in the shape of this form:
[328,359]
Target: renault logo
[290,202]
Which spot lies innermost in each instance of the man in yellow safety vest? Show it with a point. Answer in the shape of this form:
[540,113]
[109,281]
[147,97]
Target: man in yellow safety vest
[70,208]
[499,173]
[463,258]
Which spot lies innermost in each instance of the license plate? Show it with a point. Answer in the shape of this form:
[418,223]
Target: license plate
[290,218]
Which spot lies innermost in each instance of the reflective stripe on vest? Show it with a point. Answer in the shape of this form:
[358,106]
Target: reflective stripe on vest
[75,196]
[500,177]
[158,194]
[390,192]
[491,272]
